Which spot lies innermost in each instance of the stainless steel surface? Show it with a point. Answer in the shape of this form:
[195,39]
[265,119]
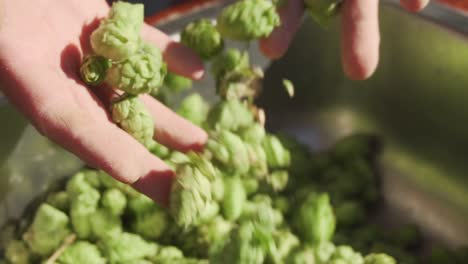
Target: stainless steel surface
[416,102]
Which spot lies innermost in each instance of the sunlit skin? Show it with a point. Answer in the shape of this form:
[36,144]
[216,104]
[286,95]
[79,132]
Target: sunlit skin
[42,43]
[41,46]
[360,37]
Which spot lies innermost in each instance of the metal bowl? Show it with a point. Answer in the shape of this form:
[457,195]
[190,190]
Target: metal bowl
[416,103]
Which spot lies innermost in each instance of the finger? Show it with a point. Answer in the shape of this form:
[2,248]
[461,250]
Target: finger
[360,38]
[276,45]
[68,120]
[172,130]
[179,58]
[414,5]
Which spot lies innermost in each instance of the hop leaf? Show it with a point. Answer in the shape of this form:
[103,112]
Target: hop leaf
[314,219]
[248,20]
[94,68]
[203,37]
[118,36]
[49,228]
[133,117]
[142,72]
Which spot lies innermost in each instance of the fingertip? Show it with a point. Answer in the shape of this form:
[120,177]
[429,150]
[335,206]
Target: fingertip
[276,45]
[361,68]
[180,59]
[414,5]
[360,38]
[156,185]
[272,49]
[172,130]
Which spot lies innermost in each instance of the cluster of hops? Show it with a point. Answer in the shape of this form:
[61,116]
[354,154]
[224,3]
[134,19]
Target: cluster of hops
[125,62]
[249,197]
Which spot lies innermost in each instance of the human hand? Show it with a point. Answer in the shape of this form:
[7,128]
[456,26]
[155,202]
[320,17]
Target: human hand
[359,33]
[41,46]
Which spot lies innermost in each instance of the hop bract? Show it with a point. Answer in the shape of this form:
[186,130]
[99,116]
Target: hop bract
[93,71]
[190,193]
[248,20]
[203,37]
[142,72]
[133,117]
[314,219]
[118,36]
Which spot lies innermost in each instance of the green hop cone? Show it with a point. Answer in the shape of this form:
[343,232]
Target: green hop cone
[234,197]
[231,115]
[379,258]
[127,247]
[176,83]
[128,13]
[118,36]
[248,243]
[133,117]
[285,242]
[190,194]
[94,68]
[83,206]
[248,20]
[142,72]
[17,252]
[203,37]
[314,219]
[59,200]
[232,60]
[346,255]
[277,155]
[253,134]
[260,210]
[302,255]
[48,230]
[277,180]
[194,108]
[81,252]
[105,225]
[151,224]
[228,148]
[115,201]
[322,10]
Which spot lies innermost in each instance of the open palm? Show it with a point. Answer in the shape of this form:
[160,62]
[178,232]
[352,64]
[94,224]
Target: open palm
[41,46]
